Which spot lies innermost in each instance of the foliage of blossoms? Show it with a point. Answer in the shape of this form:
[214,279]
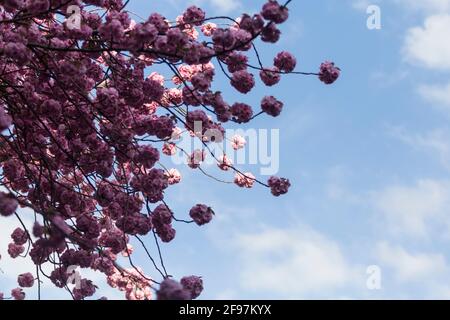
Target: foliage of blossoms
[85,120]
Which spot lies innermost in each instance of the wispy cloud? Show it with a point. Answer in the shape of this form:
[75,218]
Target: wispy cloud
[416,210]
[409,266]
[294,263]
[438,95]
[435,143]
[222,6]
[426,45]
[425,6]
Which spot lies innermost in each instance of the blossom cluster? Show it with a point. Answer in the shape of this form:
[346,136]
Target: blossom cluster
[85,125]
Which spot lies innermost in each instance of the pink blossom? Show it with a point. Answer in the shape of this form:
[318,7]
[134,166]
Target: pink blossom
[86,289]
[271,106]
[8,204]
[131,26]
[270,76]
[26,280]
[147,60]
[253,24]
[244,180]
[138,294]
[19,236]
[225,163]
[173,176]
[151,107]
[18,294]
[285,61]
[128,251]
[275,12]
[172,290]
[191,32]
[196,158]
[169,149]
[176,133]
[201,214]
[193,284]
[147,156]
[155,76]
[15,250]
[38,230]
[172,96]
[243,81]
[278,186]
[5,119]
[194,15]
[328,73]
[238,142]
[270,34]
[166,233]
[236,61]
[208,28]
[241,112]
[18,52]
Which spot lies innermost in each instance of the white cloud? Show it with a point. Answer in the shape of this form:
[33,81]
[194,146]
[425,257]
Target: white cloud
[434,6]
[337,188]
[388,78]
[437,94]
[222,6]
[421,6]
[226,5]
[436,143]
[227,294]
[414,210]
[439,291]
[411,267]
[428,45]
[363,4]
[293,263]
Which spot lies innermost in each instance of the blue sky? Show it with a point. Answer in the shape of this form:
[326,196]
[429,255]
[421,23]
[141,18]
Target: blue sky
[368,158]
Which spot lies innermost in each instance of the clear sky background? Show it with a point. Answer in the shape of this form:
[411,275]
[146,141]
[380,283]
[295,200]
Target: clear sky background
[368,158]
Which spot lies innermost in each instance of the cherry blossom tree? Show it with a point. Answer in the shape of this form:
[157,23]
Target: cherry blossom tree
[85,118]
